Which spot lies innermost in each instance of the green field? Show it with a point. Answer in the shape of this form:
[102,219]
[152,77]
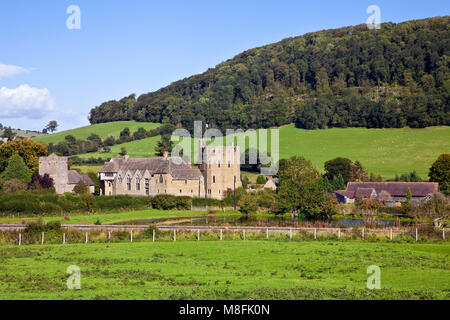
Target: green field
[104,130]
[383,151]
[106,218]
[138,148]
[226,270]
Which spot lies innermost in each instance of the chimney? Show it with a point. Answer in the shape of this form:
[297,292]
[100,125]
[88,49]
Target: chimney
[127,157]
[189,164]
[269,178]
[165,154]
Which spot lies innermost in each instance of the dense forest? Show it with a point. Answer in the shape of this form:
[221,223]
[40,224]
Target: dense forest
[349,77]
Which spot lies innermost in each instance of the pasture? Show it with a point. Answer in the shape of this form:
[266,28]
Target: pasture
[104,130]
[226,270]
[383,151]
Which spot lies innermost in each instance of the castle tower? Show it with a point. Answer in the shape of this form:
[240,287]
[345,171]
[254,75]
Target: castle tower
[221,169]
[57,168]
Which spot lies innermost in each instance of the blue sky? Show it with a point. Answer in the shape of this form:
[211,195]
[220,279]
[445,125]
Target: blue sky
[50,72]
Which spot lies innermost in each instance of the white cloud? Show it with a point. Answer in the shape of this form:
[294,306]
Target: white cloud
[25,102]
[9,70]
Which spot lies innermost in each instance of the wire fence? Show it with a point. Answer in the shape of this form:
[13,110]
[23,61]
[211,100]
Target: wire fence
[18,234]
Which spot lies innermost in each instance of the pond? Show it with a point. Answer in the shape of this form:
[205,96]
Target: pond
[251,220]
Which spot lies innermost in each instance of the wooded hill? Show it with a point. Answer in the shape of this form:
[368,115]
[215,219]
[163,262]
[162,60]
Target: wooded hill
[349,77]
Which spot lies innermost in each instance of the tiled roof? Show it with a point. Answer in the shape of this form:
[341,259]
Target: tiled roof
[397,189]
[75,177]
[175,166]
[345,193]
[364,192]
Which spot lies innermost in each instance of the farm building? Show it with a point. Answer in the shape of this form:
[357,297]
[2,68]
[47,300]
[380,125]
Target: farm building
[388,192]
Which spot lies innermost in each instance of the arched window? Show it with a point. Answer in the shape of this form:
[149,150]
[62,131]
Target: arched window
[128,183]
[138,183]
[214,179]
[161,179]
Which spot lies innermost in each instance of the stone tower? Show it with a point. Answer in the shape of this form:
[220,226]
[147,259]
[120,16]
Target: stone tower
[57,168]
[221,169]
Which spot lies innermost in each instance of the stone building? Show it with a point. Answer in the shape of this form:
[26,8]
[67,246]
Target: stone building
[221,169]
[64,179]
[395,191]
[218,172]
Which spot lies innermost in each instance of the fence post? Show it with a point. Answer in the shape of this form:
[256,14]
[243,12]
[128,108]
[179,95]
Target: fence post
[42,238]
[290,234]
[175,235]
[153,235]
[87,239]
[390,234]
[267,234]
[443,234]
[20,239]
[131,238]
[339,234]
[315,233]
[198,235]
[362,235]
[220,234]
[64,238]
[244,234]
[109,235]
[417,235]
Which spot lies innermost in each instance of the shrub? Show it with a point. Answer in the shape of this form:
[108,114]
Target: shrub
[13,186]
[261,180]
[123,151]
[41,182]
[81,188]
[170,202]
[247,204]
[228,201]
[203,202]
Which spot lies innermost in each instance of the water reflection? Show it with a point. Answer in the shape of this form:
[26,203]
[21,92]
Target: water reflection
[251,220]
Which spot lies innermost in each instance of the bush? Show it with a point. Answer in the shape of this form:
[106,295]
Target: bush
[247,204]
[170,202]
[14,185]
[121,202]
[81,188]
[203,202]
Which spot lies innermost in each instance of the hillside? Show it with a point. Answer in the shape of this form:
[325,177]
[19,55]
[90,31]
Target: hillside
[348,77]
[104,130]
[384,151]
[29,134]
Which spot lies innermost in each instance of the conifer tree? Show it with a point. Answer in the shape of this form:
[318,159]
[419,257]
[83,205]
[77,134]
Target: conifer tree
[16,169]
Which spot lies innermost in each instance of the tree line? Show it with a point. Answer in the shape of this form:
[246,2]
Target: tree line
[348,77]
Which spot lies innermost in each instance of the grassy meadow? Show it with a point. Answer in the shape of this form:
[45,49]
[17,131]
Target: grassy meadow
[226,270]
[106,218]
[383,151]
[137,148]
[104,130]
